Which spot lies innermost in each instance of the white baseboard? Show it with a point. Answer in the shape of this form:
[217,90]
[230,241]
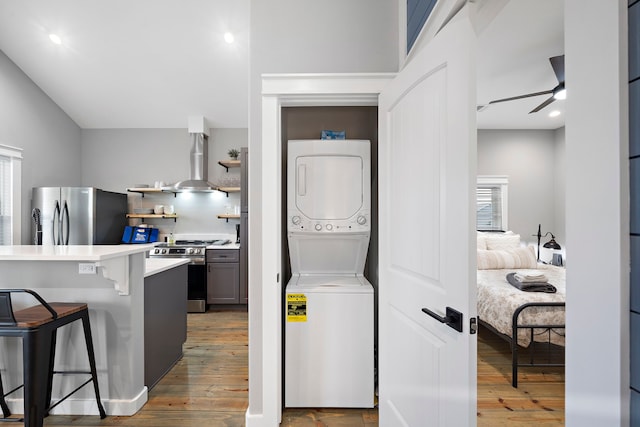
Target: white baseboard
[88,406]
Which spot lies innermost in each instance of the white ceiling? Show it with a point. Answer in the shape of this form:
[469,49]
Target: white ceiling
[153,64]
[134,63]
[513,60]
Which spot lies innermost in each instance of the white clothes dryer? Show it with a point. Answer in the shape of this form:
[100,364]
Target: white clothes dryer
[329,313]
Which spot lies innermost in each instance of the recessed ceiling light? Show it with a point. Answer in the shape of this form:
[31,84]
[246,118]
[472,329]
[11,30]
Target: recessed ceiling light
[228,37]
[554,113]
[55,38]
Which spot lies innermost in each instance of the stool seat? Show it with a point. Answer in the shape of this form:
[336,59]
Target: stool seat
[38,315]
[37,326]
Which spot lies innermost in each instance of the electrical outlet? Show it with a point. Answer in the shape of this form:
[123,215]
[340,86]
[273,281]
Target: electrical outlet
[87,268]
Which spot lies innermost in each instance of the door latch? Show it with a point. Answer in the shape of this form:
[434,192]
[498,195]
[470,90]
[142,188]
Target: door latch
[452,318]
[473,326]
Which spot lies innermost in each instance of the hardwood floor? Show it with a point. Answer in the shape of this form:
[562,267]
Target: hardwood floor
[538,400]
[209,387]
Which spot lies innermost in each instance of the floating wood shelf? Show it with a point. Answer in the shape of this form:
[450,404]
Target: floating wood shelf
[228,216]
[146,190]
[228,190]
[160,216]
[229,164]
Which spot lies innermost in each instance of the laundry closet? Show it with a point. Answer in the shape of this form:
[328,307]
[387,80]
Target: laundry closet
[329,344]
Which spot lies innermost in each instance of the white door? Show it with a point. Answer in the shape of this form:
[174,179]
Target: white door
[427,174]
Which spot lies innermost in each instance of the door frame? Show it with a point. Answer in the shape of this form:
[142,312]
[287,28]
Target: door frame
[278,91]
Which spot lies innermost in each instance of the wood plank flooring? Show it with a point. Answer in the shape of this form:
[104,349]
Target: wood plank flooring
[209,387]
[538,400]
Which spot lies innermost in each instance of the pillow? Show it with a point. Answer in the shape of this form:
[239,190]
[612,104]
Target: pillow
[481,241]
[503,241]
[507,259]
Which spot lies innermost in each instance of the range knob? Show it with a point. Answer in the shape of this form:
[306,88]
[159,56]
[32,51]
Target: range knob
[295,220]
[362,220]
[164,251]
[197,250]
[156,251]
[190,251]
[329,227]
[318,227]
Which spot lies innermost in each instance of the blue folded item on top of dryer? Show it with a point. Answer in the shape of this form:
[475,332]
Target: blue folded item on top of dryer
[333,134]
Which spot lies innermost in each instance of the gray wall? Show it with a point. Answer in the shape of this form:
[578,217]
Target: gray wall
[117,159]
[57,152]
[292,36]
[50,140]
[534,162]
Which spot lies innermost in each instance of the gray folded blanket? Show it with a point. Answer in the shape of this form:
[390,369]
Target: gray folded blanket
[530,286]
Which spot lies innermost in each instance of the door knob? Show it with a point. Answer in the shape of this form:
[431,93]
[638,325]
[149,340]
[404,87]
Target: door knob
[453,318]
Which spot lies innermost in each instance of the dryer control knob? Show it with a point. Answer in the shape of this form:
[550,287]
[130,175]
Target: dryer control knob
[318,227]
[362,220]
[295,220]
[329,227]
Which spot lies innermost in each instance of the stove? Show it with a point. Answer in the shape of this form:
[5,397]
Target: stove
[195,250]
[192,249]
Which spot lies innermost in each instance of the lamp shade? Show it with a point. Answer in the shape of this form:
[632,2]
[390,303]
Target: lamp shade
[552,244]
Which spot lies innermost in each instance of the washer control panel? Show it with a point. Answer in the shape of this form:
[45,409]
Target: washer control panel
[359,222]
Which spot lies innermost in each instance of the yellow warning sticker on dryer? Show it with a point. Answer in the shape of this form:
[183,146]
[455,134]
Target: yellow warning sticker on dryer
[296,308]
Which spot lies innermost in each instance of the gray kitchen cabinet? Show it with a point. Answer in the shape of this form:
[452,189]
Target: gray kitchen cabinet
[165,322]
[244,260]
[223,276]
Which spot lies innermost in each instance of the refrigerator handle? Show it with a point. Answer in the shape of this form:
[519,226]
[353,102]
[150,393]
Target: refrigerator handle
[37,226]
[64,224]
[56,224]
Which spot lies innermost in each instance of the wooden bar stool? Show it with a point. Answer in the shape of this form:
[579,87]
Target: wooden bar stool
[37,326]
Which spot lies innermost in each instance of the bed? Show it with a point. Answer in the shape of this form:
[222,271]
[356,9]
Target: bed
[531,320]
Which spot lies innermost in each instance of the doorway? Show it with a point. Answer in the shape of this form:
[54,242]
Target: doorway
[529,148]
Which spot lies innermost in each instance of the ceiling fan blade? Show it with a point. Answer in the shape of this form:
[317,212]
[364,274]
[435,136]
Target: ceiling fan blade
[529,95]
[544,104]
[557,62]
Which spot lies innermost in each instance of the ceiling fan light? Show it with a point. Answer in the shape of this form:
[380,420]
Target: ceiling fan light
[560,92]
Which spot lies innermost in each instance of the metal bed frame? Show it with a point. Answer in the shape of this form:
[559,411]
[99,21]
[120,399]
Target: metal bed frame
[513,339]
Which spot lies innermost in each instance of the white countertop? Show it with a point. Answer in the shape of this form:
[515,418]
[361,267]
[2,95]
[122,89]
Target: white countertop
[158,265]
[227,246]
[70,253]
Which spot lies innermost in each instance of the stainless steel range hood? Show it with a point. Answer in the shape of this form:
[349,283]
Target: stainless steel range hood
[198,179]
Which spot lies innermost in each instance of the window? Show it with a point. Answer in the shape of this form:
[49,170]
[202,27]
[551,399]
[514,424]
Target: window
[491,203]
[10,194]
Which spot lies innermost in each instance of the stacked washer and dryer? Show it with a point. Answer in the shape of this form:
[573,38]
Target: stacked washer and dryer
[329,310]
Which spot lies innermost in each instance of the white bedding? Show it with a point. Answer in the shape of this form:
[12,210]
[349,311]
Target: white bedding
[498,300]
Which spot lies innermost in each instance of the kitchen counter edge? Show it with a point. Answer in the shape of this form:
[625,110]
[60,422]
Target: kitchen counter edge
[158,265]
[70,252]
[227,246]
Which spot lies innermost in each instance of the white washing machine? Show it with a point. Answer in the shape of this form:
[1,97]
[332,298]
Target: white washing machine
[329,310]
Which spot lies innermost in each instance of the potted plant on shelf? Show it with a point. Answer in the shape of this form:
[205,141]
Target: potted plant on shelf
[233,153]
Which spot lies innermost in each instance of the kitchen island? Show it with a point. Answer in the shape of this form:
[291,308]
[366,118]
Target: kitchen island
[110,279]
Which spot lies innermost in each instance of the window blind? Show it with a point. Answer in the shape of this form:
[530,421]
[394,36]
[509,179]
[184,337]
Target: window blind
[489,208]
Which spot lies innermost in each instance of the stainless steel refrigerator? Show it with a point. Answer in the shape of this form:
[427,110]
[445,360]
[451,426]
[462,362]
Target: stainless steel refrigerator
[77,216]
[244,225]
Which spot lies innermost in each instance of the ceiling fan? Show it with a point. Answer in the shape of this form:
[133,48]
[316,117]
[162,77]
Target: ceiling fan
[558,92]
